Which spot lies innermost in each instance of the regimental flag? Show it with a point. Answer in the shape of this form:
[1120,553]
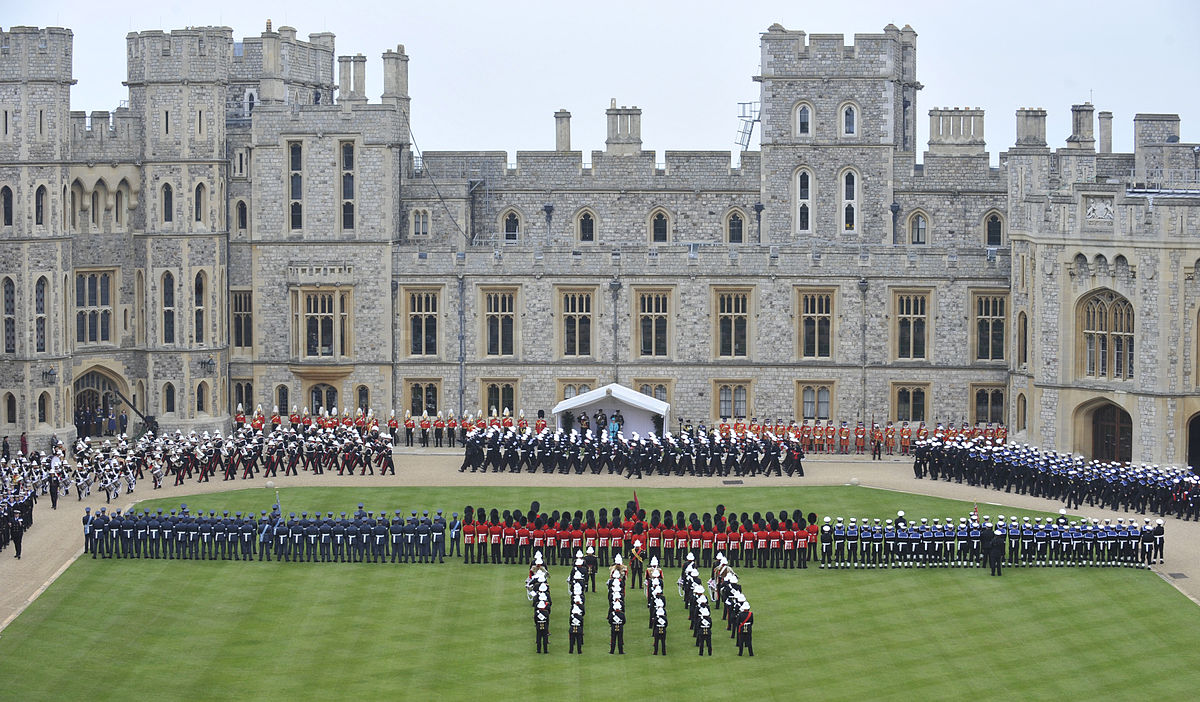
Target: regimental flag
[975,512]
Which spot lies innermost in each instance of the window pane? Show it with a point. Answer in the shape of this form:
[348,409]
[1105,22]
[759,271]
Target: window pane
[918,400]
[918,338]
[507,334]
[810,403]
[823,403]
[997,410]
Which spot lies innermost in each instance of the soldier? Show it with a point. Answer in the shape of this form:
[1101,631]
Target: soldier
[659,627]
[456,528]
[409,425]
[996,552]
[704,630]
[438,542]
[439,430]
[576,629]
[745,629]
[616,619]
[541,626]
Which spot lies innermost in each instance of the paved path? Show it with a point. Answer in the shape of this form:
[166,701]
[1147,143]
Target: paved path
[57,537]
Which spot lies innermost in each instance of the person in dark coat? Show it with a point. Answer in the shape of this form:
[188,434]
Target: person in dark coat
[996,554]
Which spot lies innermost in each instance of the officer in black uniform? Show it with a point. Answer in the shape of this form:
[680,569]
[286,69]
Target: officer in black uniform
[704,630]
[541,626]
[996,552]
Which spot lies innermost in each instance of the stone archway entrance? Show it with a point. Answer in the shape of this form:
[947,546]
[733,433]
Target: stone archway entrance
[97,395]
[1193,445]
[1112,434]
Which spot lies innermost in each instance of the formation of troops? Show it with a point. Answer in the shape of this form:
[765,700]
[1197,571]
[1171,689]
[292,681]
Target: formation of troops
[723,587]
[794,540]
[113,466]
[16,516]
[181,534]
[516,449]
[1063,477]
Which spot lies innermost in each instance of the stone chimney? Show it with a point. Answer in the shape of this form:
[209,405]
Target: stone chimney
[1082,136]
[359,91]
[395,75]
[956,131]
[270,88]
[344,79]
[562,131]
[1105,132]
[1031,127]
[624,130]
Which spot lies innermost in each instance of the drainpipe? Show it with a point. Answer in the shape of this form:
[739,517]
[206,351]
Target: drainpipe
[862,403]
[462,342]
[615,288]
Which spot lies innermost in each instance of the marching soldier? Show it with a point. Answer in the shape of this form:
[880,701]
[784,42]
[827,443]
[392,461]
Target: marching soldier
[541,627]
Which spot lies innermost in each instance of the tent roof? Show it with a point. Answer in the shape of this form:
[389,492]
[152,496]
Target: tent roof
[619,392]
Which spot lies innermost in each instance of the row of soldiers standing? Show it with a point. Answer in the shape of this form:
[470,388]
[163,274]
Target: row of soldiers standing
[513,451]
[1062,476]
[181,534]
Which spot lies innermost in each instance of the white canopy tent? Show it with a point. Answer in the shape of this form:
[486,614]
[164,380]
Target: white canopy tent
[637,409]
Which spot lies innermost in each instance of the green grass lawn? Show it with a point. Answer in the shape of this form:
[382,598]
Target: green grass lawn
[227,630]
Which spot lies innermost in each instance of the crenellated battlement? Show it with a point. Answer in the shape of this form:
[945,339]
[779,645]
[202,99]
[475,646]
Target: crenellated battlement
[36,54]
[106,136]
[793,53]
[199,54]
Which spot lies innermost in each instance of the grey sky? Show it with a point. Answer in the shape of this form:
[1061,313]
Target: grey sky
[489,75]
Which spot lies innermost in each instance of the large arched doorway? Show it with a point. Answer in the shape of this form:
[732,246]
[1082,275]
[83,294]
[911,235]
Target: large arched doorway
[97,396]
[1112,434]
[1193,446]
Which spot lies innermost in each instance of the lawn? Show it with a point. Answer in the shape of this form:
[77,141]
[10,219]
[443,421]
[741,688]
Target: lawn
[228,630]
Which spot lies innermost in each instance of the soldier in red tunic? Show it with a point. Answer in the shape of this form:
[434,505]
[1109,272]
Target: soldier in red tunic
[276,420]
[451,428]
[889,438]
[239,419]
[439,430]
[540,425]
[844,439]
[905,438]
[426,424]
[860,439]
[410,425]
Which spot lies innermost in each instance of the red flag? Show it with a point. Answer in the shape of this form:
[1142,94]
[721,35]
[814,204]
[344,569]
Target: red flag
[636,508]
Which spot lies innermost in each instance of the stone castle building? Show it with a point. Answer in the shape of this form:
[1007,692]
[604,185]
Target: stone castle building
[244,229]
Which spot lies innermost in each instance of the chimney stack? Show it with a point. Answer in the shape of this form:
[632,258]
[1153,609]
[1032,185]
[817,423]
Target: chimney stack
[1031,127]
[344,79]
[1082,136]
[562,131]
[359,91]
[1105,132]
[395,75]
[624,130]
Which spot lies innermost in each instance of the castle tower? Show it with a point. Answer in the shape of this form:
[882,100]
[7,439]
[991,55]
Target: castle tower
[177,86]
[35,132]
